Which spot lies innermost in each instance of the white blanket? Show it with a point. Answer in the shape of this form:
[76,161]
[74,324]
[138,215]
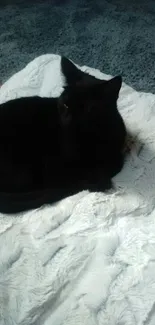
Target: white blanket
[89,259]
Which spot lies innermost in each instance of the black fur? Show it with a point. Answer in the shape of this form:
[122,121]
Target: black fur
[51,148]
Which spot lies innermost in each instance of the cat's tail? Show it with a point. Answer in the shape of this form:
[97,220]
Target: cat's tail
[12,203]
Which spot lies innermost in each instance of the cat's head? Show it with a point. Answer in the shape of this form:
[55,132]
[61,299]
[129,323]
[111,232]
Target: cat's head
[89,106]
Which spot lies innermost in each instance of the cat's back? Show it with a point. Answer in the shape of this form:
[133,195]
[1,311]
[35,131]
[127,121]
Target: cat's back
[26,114]
[26,106]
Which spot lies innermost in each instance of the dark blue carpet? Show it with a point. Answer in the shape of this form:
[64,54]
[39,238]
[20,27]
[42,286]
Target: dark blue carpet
[115,36]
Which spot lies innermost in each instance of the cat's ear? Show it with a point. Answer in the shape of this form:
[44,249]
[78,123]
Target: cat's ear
[113,86]
[71,73]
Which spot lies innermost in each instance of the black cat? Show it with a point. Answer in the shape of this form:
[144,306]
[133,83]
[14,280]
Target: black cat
[51,148]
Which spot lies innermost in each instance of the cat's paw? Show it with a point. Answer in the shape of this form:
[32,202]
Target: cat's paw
[100,186]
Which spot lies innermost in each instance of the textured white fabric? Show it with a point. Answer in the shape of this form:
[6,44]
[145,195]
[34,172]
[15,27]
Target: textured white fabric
[89,259]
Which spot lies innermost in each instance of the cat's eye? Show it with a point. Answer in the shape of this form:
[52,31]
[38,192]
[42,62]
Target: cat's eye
[65,106]
[65,109]
[90,108]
